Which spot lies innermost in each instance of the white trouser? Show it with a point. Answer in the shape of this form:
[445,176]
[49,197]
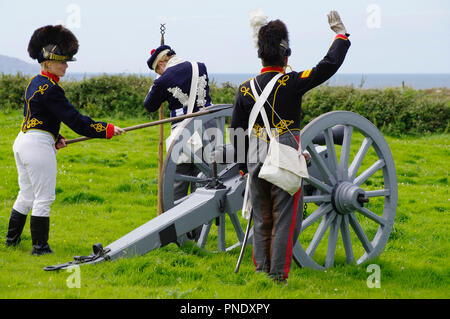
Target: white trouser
[35,156]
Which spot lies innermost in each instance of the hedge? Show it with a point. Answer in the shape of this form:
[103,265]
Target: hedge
[395,111]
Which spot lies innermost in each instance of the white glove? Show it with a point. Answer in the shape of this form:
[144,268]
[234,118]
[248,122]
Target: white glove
[336,23]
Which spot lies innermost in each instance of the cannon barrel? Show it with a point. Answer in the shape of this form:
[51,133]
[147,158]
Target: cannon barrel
[338,136]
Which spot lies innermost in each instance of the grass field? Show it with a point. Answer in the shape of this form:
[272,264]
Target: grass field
[105,189]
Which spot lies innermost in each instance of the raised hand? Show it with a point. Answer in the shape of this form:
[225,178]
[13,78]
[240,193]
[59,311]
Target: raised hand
[336,23]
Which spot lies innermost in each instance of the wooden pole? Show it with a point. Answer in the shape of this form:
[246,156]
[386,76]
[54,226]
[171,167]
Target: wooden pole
[161,143]
[154,123]
[160,161]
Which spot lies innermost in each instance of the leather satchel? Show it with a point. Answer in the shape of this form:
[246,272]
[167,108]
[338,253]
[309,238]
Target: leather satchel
[284,165]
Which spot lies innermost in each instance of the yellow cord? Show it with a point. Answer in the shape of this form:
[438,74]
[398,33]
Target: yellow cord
[287,66]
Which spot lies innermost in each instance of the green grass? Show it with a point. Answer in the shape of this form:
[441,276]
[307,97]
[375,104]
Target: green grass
[106,189]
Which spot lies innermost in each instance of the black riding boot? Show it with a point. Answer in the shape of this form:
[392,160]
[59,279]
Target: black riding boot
[15,228]
[40,227]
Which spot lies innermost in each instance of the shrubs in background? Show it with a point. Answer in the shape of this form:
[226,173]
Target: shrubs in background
[12,88]
[108,95]
[394,111]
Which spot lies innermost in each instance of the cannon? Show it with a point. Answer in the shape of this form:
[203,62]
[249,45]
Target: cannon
[352,190]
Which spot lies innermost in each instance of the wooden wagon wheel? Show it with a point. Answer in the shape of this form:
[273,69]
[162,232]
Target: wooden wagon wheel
[358,194]
[180,148]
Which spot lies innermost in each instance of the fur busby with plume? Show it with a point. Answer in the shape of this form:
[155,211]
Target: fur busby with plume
[54,43]
[271,38]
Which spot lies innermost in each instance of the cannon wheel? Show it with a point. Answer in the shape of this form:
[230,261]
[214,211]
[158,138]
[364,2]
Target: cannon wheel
[341,191]
[170,176]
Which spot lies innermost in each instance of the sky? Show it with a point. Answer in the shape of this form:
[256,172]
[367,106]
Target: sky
[117,36]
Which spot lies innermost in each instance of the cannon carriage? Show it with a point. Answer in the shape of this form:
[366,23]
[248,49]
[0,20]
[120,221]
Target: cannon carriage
[351,191]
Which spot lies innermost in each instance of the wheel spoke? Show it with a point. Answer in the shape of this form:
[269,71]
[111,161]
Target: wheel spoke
[332,241]
[187,178]
[318,213]
[360,233]
[354,167]
[318,184]
[202,166]
[369,172]
[317,199]
[345,153]
[321,165]
[345,231]
[332,158]
[369,214]
[215,135]
[378,193]
[324,224]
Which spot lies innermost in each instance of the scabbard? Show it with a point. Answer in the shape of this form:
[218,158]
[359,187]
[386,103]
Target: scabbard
[244,243]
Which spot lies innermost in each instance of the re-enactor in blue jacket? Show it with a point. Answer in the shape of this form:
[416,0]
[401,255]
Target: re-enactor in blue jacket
[45,107]
[173,85]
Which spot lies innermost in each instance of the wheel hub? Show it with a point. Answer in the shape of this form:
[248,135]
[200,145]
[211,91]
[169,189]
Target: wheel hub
[347,197]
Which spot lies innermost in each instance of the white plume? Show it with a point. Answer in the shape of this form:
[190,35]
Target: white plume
[257,20]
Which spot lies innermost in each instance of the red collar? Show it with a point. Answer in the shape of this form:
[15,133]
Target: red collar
[272,69]
[51,76]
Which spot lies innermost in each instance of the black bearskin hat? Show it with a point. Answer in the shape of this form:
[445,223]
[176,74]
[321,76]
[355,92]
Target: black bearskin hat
[273,43]
[54,43]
